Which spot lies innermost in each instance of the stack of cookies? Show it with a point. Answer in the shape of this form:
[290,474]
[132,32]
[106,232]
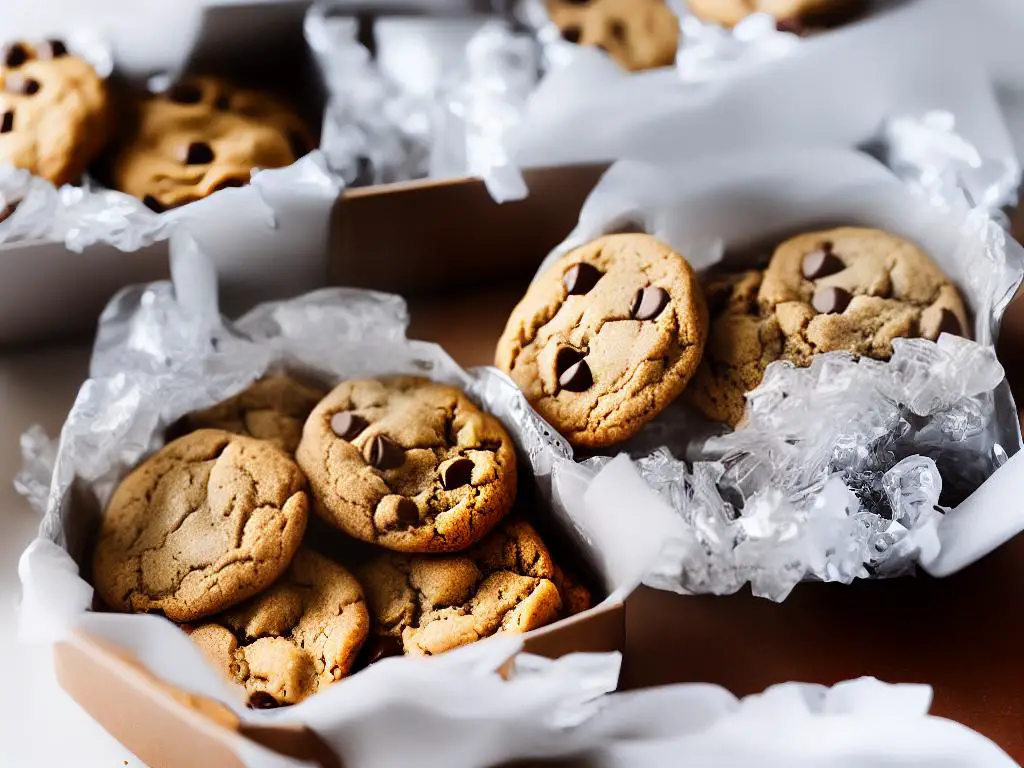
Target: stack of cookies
[211,532]
[58,116]
[617,329]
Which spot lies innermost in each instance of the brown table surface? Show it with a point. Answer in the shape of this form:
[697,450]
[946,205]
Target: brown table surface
[962,635]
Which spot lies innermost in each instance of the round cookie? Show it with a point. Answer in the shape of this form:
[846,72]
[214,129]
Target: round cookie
[638,34]
[606,338]
[855,290]
[202,135]
[740,346]
[293,640]
[273,408]
[407,464]
[206,522]
[56,114]
[729,13]
[424,605]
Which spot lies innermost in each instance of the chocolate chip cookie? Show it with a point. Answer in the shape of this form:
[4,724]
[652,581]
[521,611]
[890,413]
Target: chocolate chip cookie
[273,408]
[855,290]
[293,640]
[793,15]
[201,135]
[606,338]
[638,34]
[208,521]
[741,344]
[56,114]
[426,605]
[407,464]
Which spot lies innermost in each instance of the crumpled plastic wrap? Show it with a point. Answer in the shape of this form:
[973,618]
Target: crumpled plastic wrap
[708,51]
[844,469]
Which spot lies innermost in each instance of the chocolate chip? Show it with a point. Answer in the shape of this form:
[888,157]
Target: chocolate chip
[51,49]
[565,358]
[153,204]
[229,183]
[950,323]
[7,211]
[7,121]
[383,647]
[185,93]
[648,303]
[821,262]
[406,512]
[263,700]
[383,453]
[347,425]
[572,34]
[618,30]
[793,25]
[576,378]
[197,153]
[831,300]
[15,54]
[23,85]
[581,278]
[298,144]
[222,103]
[457,474]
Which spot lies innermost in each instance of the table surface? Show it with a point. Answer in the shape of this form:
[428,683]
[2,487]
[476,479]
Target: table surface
[962,635]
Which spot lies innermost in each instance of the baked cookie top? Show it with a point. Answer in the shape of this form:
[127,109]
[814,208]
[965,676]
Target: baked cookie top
[729,13]
[855,290]
[201,135]
[434,604]
[606,338]
[273,408]
[293,640]
[55,111]
[741,344]
[407,464]
[638,34]
[209,520]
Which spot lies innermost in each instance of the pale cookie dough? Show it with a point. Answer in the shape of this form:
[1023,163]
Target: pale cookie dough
[606,338]
[206,522]
[202,135]
[638,34]
[741,344]
[855,290]
[407,464]
[273,408]
[56,113]
[293,640]
[729,13]
[433,604]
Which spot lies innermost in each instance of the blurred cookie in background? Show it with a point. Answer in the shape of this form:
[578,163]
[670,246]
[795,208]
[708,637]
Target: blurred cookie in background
[638,34]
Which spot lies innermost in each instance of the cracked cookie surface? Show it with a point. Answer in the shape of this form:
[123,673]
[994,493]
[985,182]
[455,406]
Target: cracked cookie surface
[209,520]
[407,464]
[606,338]
[273,408]
[855,290]
[741,344]
[428,605]
[56,113]
[293,640]
[201,135]
[638,34]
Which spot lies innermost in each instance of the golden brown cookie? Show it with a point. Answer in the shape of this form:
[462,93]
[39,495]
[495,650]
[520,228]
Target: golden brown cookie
[741,344]
[56,114]
[202,135]
[791,13]
[407,464]
[855,290]
[576,598]
[206,522]
[638,34]
[433,604]
[293,640]
[273,408]
[606,338]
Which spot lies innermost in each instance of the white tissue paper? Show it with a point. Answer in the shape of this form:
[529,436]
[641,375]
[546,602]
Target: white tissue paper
[840,470]
[161,352]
